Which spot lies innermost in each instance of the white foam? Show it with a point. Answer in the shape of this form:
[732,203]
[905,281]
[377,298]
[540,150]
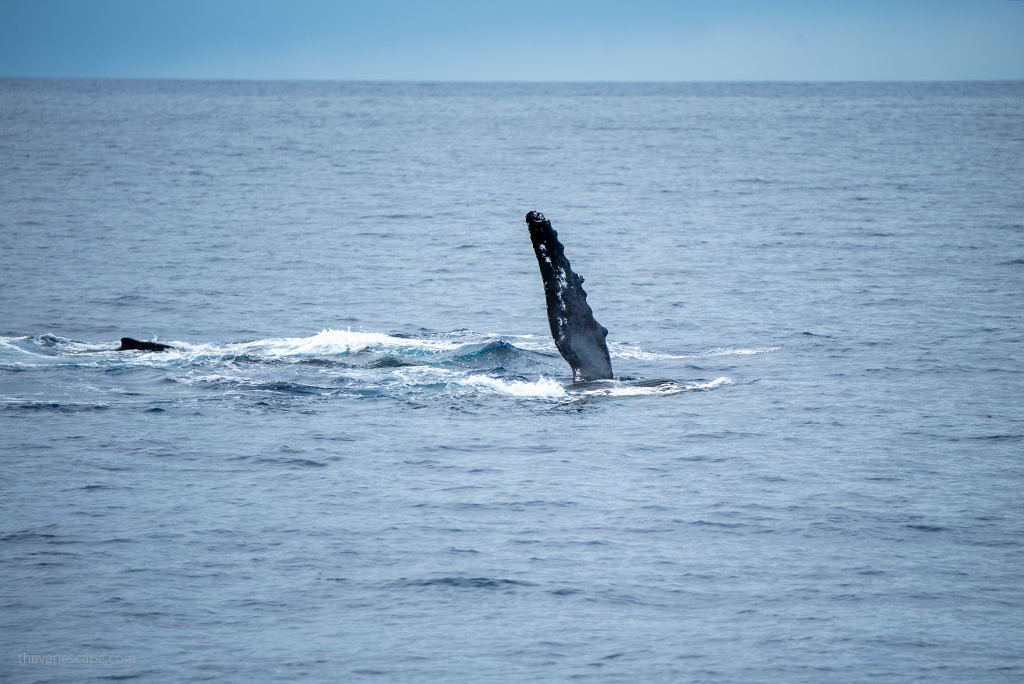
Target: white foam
[729,351]
[329,342]
[212,377]
[326,343]
[629,390]
[717,382]
[546,388]
[625,352]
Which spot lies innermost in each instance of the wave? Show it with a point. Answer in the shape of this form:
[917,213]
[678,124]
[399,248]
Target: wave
[626,351]
[325,345]
[330,343]
[343,342]
[345,363]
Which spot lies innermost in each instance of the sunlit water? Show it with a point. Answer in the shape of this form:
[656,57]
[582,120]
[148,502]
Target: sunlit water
[364,458]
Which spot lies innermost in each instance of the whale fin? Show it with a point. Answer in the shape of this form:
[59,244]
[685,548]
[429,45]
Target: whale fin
[580,339]
[128,343]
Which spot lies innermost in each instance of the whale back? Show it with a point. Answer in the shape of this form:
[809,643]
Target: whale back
[580,339]
[128,344]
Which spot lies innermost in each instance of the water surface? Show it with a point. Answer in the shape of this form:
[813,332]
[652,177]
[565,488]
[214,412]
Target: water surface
[361,460]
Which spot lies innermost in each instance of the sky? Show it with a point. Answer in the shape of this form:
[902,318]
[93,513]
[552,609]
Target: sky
[519,40]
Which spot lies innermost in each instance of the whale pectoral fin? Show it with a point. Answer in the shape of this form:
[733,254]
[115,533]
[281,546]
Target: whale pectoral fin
[580,339]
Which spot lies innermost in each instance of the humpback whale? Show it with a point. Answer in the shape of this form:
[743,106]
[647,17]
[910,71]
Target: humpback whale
[580,339]
[128,343]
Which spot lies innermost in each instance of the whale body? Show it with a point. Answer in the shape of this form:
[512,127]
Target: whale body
[580,339]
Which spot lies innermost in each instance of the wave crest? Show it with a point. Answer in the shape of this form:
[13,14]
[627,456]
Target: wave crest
[352,364]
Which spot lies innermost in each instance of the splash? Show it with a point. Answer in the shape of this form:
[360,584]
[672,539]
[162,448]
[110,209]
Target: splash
[544,388]
[336,364]
[331,342]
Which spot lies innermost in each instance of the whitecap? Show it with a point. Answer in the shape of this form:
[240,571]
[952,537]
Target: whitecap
[544,388]
[330,342]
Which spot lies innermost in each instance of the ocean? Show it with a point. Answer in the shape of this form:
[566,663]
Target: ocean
[364,459]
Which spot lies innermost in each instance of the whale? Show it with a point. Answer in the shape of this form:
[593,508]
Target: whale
[579,338]
[128,344]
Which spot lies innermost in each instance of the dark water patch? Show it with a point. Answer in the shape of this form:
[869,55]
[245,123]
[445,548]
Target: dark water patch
[291,388]
[361,393]
[52,406]
[992,543]
[292,462]
[125,677]
[725,434]
[616,597]
[334,438]
[464,583]
[699,458]
[591,542]
[28,536]
[452,447]
[243,359]
[389,361]
[533,504]
[711,523]
[257,603]
[325,363]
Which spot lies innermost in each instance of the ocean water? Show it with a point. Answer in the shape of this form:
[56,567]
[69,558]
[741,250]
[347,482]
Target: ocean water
[362,462]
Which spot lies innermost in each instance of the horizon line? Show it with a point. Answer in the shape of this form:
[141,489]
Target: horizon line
[502,81]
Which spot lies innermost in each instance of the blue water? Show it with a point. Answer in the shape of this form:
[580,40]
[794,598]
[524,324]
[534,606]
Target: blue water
[361,461]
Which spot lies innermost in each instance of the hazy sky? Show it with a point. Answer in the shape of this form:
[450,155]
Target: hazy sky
[536,40]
